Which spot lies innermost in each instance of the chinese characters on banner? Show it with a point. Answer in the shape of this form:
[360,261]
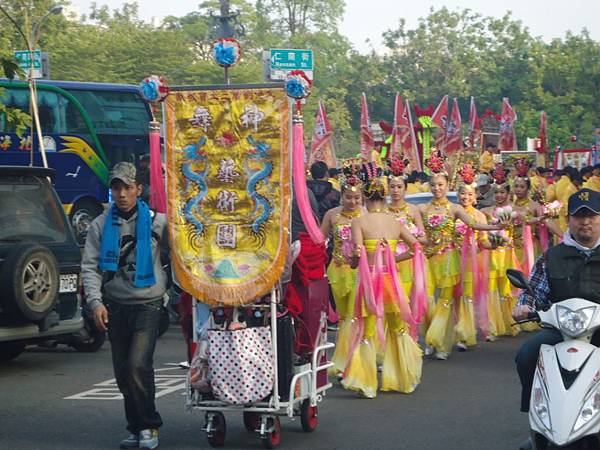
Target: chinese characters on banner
[228,191]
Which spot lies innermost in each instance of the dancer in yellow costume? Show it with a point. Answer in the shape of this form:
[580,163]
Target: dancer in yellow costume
[407,214]
[502,257]
[439,216]
[383,319]
[342,278]
[466,326]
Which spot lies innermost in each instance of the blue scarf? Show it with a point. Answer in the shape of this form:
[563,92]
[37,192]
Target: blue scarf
[110,246]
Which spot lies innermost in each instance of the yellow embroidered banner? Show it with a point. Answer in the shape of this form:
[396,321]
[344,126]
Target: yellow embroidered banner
[228,191]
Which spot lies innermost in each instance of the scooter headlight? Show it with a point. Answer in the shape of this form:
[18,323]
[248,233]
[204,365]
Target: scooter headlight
[540,403]
[590,409]
[574,323]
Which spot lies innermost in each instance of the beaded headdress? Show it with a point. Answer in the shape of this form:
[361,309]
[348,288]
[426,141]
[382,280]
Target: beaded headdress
[371,176]
[350,175]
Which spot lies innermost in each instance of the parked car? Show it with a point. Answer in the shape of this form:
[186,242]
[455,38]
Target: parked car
[424,197]
[39,266]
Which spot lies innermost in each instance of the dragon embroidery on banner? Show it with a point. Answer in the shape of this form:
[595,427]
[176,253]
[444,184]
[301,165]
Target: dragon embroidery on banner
[192,209]
[259,153]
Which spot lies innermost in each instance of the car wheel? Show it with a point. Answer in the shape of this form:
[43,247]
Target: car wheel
[29,282]
[82,216]
[94,341]
[10,350]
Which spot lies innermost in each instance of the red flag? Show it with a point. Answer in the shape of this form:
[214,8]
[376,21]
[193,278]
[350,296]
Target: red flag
[440,119]
[321,148]
[543,147]
[404,142]
[453,139]
[366,137]
[508,138]
[474,124]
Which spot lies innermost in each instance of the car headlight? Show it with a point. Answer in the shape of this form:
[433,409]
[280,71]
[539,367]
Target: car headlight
[590,409]
[574,323]
[540,403]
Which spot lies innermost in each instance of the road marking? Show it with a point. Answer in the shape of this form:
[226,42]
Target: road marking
[166,383]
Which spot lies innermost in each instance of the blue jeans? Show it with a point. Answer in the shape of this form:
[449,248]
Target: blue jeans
[133,330]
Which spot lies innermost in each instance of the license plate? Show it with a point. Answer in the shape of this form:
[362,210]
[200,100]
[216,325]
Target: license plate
[68,283]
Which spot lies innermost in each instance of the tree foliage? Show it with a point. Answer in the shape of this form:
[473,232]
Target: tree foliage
[460,53]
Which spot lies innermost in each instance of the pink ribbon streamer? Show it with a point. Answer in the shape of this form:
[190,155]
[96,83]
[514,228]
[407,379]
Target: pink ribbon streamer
[544,237]
[300,189]
[399,294]
[158,196]
[528,259]
[481,294]
[465,251]
[419,290]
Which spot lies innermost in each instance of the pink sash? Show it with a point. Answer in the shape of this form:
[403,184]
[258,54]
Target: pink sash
[544,238]
[419,290]
[528,258]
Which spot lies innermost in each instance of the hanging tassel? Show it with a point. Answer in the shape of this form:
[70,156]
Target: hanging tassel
[419,290]
[528,259]
[399,294]
[158,196]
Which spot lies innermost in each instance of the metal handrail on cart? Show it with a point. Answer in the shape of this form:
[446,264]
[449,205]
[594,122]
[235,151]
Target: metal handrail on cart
[304,404]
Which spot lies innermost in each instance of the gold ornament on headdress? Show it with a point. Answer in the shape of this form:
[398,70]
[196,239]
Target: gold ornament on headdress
[350,171]
[436,164]
[467,173]
[373,184]
[396,168]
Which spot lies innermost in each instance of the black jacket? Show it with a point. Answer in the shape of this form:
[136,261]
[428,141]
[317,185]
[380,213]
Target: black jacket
[327,197]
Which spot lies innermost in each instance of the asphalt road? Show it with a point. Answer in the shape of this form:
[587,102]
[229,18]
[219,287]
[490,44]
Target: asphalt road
[55,399]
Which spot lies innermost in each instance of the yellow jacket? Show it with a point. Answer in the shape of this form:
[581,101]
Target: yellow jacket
[564,189]
[593,183]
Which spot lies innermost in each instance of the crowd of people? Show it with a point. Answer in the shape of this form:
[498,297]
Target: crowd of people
[412,280]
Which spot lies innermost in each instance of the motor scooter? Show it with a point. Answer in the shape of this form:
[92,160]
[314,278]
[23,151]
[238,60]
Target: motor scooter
[564,408]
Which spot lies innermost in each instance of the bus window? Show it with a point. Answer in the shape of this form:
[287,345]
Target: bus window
[114,112]
[15,99]
[51,109]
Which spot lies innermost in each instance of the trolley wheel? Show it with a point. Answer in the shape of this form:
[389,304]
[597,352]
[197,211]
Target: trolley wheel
[272,439]
[309,417]
[216,436]
[251,420]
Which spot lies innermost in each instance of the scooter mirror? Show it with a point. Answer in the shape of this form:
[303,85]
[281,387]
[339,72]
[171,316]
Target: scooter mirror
[517,279]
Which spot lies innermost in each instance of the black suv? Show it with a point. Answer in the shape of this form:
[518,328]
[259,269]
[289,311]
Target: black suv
[39,263]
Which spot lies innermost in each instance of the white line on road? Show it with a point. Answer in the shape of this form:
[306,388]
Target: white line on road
[166,383]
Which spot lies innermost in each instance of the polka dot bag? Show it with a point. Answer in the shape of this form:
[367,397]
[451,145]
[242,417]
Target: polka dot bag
[241,364]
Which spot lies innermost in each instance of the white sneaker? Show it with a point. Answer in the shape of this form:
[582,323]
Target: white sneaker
[491,338]
[442,356]
[429,350]
[462,347]
[149,439]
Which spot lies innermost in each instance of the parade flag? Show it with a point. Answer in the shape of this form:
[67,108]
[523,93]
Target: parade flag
[321,148]
[508,117]
[366,137]
[228,196]
[404,142]
[543,144]
[440,120]
[474,124]
[453,141]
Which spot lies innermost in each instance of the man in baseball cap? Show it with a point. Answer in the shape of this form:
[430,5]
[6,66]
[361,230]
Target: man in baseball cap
[569,269]
[124,171]
[485,194]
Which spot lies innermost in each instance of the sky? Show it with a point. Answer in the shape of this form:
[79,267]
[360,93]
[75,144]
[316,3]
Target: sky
[546,18]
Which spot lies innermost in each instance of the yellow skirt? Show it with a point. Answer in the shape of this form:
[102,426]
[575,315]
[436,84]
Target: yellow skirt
[465,330]
[342,280]
[441,330]
[444,270]
[402,362]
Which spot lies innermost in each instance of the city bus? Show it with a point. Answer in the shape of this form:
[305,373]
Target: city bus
[87,128]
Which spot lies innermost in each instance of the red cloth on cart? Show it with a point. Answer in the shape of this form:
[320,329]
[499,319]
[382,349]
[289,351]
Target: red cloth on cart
[309,266]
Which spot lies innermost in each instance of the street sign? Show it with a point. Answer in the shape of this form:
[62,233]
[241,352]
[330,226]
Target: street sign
[30,61]
[283,60]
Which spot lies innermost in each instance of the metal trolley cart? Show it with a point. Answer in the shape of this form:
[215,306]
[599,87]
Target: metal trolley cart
[306,390]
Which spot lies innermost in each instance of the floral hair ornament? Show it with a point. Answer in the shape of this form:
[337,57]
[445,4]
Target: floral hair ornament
[396,168]
[522,167]
[499,175]
[467,174]
[349,179]
[436,163]
[227,52]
